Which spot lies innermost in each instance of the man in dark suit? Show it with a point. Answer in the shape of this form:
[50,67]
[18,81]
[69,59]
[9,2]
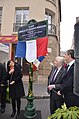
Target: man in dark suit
[67,85]
[3,86]
[54,84]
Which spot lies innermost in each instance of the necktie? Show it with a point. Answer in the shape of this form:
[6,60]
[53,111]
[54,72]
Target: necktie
[67,67]
[53,77]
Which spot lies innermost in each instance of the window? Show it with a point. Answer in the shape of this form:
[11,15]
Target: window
[21,18]
[50,17]
[0,17]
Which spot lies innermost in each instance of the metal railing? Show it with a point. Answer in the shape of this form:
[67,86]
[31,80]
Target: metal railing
[17,25]
[51,28]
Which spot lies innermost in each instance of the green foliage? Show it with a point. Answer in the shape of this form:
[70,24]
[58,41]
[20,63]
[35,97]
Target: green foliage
[65,113]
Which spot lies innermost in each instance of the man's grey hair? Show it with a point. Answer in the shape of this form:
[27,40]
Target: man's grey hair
[61,59]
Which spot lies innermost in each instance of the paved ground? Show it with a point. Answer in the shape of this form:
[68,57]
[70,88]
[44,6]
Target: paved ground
[41,100]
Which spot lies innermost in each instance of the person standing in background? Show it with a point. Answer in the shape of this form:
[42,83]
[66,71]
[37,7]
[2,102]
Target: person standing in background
[18,64]
[16,89]
[54,83]
[3,86]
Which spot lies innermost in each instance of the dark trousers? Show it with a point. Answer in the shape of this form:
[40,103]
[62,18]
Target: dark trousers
[16,103]
[3,97]
[55,103]
[71,100]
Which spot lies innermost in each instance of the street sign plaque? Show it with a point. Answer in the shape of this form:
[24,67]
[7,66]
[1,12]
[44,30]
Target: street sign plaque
[33,31]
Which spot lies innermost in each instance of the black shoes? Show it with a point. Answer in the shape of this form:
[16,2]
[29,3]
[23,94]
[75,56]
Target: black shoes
[2,110]
[13,114]
[17,116]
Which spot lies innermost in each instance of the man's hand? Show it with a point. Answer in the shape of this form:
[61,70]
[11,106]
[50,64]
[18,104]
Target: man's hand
[50,87]
[58,93]
[11,83]
[2,85]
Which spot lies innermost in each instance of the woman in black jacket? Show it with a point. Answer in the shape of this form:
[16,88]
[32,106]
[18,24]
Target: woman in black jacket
[16,89]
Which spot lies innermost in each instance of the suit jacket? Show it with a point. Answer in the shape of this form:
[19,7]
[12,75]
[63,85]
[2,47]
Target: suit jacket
[67,84]
[67,88]
[57,82]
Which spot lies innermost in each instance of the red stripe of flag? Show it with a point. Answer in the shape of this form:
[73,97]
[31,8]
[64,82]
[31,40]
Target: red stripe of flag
[42,44]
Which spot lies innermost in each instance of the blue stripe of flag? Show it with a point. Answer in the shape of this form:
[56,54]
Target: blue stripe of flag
[21,49]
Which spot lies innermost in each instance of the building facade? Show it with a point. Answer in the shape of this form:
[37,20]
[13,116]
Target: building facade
[16,13]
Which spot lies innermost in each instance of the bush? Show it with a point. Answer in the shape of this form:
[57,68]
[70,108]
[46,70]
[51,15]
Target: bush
[65,113]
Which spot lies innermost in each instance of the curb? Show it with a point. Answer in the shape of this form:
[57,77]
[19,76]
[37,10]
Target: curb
[39,97]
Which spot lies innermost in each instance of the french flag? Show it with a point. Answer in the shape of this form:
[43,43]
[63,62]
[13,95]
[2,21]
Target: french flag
[33,50]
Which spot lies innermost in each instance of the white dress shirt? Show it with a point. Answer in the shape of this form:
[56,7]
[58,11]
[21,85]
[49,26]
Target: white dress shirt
[70,64]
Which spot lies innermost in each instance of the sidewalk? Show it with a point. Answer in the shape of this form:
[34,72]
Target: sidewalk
[40,104]
[39,87]
[41,100]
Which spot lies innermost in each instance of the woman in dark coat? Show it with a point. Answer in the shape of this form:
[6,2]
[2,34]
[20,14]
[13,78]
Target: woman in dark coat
[16,89]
